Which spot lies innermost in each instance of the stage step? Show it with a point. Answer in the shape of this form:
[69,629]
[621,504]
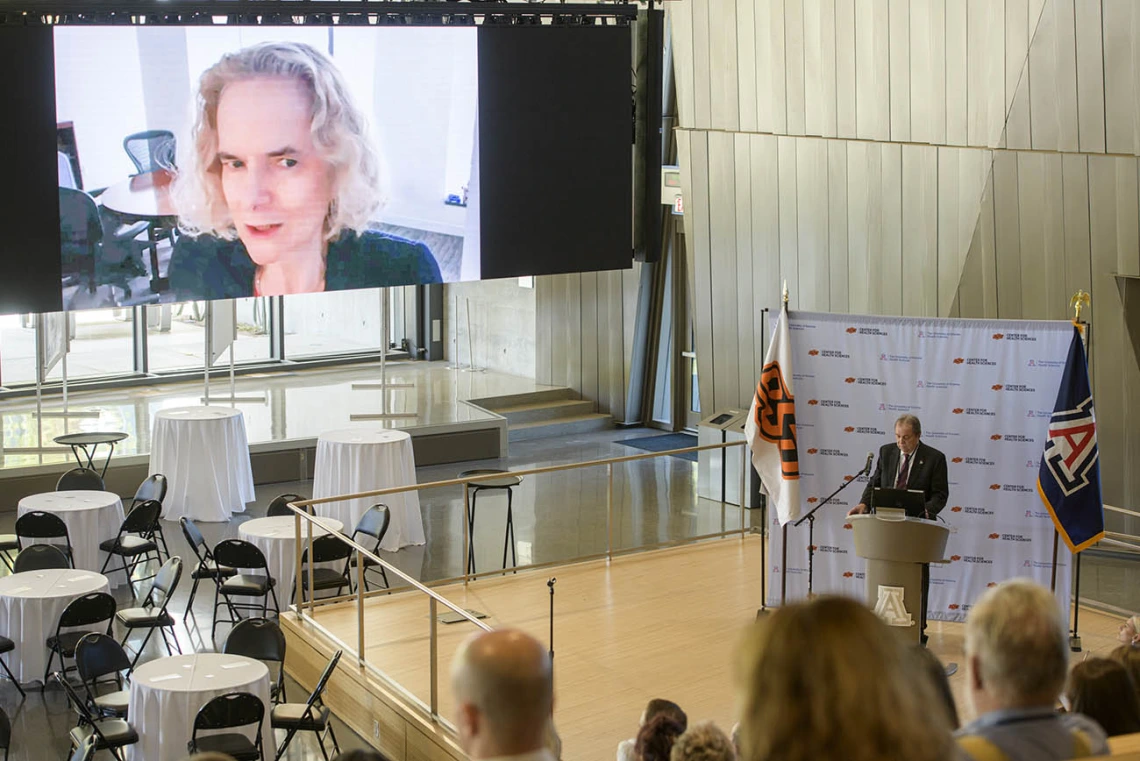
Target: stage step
[564,426]
[546,414]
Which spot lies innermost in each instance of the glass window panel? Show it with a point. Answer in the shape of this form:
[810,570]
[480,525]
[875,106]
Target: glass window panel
[332,323]
[175,335]
[102,345]
[17,349]
[252,344]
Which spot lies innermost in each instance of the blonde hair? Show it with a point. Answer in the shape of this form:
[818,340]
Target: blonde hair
[1016,635]
[339,130]
[828,679]
[702,742]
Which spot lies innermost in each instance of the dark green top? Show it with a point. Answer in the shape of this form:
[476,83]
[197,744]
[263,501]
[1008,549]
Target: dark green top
[206,267]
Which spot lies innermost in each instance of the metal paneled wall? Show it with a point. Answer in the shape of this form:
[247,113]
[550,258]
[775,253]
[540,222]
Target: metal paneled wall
[918,157]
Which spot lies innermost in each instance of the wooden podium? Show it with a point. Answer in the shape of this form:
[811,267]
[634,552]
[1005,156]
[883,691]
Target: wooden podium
[896,548]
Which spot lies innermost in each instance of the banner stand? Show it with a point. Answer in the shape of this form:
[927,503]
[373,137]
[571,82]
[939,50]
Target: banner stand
[44,365]
[470,351]
[455,364]
[383,385]
[208,357]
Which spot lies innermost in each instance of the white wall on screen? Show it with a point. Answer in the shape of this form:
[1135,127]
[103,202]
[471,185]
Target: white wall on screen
[99,89]
[162,66]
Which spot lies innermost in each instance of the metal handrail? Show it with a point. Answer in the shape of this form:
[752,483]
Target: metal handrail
[300,512]
[1122,511]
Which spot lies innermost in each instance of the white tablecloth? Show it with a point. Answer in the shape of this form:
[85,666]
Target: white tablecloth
[90,517]
[166,694]
[276,539]
[30,606]
[362,459]
[204,455]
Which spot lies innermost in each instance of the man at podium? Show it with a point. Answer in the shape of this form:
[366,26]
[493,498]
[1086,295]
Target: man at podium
[909,465]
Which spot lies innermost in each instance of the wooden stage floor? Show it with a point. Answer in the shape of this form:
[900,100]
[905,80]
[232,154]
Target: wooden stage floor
[656,624]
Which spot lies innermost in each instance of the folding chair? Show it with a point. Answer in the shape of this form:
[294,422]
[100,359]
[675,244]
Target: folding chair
[152,614]
[310,716]
[230,711]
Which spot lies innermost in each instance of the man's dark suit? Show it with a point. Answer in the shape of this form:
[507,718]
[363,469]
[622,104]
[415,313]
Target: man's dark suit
[927,473]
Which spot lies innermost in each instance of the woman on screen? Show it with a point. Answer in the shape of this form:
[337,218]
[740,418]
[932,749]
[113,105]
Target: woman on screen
[282,184]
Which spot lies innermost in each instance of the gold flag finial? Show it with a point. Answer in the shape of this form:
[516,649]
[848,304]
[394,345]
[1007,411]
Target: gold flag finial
[1079,301]
[785,293]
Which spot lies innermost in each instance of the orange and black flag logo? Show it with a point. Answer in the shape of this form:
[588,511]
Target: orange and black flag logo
[776,418]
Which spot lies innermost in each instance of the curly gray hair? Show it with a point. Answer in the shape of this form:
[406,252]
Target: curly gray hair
[702,742]
[340,134]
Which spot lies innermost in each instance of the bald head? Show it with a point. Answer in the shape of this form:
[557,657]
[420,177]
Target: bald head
[504,692]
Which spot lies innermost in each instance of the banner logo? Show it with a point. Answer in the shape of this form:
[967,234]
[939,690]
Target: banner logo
[1071,450]
[776,418]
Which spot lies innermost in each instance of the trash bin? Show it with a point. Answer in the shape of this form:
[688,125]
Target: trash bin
[734,459]
[711,462]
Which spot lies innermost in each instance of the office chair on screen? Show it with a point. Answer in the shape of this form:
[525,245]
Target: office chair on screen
[90,255]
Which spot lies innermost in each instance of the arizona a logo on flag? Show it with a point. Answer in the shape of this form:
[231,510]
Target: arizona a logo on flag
[771,427]
[1068,479]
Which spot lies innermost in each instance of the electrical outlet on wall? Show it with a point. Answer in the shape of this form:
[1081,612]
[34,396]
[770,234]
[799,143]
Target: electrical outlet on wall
[375,729]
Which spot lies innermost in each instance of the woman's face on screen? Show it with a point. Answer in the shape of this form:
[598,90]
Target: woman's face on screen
[276,186]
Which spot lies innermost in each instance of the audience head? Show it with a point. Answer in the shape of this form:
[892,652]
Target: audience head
[1101,689]
[1128,656]
[929,664]
[659,706]
[1130,631]
[702,742]
[655,739]
[503,690]
[359,755]
[1016,648]
[829,679]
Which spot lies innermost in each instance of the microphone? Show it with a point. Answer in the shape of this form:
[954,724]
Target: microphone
[551,583]
[870,459]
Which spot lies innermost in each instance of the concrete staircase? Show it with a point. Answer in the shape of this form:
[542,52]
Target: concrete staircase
[546,414]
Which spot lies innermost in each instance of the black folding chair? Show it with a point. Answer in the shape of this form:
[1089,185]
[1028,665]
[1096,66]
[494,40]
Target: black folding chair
[86,611]
[7,646]
[100,657]
[9,547]
[152,614]
[132,543]
[230,711]
[109,733]
[280,505]
[40,557]
[85,751]
[80,479]
[326,549]
[40,525]
[207,567]
[310,716]
[153,488]
[374,524]
[262,640]
[240,554]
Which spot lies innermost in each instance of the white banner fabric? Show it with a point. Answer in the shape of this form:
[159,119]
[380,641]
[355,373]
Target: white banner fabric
[984,391]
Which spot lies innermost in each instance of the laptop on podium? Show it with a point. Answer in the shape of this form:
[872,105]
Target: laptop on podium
[899,502]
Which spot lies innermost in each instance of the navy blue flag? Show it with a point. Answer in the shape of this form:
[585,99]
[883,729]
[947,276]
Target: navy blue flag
[1069,476]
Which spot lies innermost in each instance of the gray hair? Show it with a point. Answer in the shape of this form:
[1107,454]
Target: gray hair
[911,420]
[1017,636]
[702,742]
[339,129]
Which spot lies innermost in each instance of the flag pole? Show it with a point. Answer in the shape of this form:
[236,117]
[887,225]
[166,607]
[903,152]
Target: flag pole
[1080,300]
[784,548]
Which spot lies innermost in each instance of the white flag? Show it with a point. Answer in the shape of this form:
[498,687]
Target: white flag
[771,427]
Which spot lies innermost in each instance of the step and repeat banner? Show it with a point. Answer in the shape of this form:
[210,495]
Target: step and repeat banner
[984,391]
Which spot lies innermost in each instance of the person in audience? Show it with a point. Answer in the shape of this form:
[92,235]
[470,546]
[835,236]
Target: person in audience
[827,679]
[503,688]
[655,739]
[359,755]
[736,739]
[1128,656]
[1103,690]
[1017,653]
[929,664]
[279,188]
[654,708]
[1130,631]
[703,742]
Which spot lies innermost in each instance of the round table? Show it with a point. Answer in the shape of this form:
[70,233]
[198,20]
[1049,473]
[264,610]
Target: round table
[90,517]
[166,694]
[276,538]
[362,459]
[145,197]
[80,441]
[204,455]
[30,606]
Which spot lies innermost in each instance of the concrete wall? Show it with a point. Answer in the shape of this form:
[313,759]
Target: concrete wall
[502,325]
[973,158]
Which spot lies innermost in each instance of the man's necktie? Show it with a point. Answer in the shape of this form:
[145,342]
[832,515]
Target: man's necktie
[904,473]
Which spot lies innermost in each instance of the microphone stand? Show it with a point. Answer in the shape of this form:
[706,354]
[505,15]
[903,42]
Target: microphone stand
[810,518]
[551,585]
